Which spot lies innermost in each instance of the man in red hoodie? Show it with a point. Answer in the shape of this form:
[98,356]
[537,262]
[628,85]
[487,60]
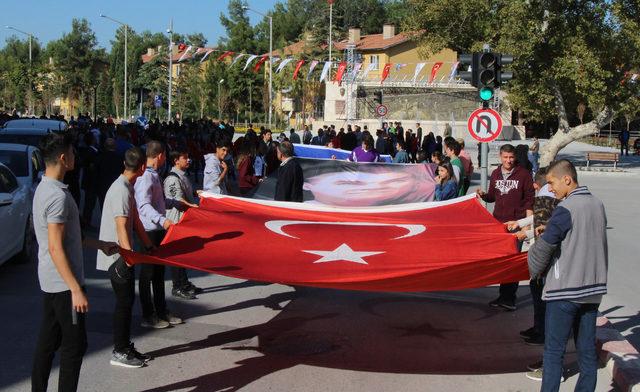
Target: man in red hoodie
[511,189]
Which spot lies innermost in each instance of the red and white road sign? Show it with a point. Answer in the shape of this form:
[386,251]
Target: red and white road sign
[485,125]
[381,110]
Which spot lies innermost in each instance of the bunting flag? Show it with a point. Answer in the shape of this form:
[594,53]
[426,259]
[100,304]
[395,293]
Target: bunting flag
[312,66]
[385,72]
[235,60]
[454,71]
[225,54]
[434,70]
[275,60]
[249,60]
[390,248]
[400,66]
[284,64]
[259,63]
[325,70]
[184,55]
[370,68]
[341,68]
[356,69]
[206,55]
[298,66]
[419,68]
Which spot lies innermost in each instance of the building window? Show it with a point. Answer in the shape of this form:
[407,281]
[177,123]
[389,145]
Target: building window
[376,61]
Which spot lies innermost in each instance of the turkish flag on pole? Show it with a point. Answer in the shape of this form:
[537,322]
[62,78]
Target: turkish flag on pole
[259,63]
[341,68]
[434,70]
[448,245]
[298,66]
[385,72]
[225,54]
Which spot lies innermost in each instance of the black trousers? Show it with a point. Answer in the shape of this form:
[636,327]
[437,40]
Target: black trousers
[152,275]
[624,146]
[57,332]
[90,201]
[508,290]
[539,306]
[125,292]
[179,277]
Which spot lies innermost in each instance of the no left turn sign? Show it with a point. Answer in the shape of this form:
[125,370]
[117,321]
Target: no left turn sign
[485,125]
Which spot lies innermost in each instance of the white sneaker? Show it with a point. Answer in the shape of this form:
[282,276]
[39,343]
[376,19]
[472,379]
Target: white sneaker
[171,319]
[154,322]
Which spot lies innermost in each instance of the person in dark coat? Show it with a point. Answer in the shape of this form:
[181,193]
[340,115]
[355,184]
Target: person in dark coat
[290,177]
[89,184]
[109,166]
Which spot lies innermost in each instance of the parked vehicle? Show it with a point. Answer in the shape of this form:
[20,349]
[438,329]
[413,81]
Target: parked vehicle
[16,230]
[29,131]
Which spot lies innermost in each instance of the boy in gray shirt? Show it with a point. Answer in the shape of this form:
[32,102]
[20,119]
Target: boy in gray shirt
[119,220]
[60,269]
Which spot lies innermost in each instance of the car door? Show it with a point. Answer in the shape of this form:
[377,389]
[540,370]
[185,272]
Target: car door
[37,169]
[11,227]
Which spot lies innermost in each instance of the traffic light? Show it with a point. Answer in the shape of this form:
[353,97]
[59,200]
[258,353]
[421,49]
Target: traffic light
[486,79]
[378,97]
[467,61]
[502,76]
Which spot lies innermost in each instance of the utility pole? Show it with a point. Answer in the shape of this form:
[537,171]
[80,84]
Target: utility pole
[170,31]
[330,27]
[30,36]
[126,38]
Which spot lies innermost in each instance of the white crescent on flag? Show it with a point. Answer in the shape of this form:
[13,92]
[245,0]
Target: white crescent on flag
[278,226]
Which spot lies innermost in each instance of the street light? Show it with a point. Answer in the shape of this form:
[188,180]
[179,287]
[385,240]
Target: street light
[170,32]
[270,57]
[126,30]
[219,101]
[30,61]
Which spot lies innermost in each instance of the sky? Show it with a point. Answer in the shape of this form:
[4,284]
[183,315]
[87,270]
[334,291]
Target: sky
[49,19]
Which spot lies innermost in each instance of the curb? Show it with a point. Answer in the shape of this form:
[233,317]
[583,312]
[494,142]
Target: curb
[619,356]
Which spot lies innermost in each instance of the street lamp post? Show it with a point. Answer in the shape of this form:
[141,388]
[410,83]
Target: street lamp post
[170,32]
[30,64]
[219,100]
[126,31]
[270,59]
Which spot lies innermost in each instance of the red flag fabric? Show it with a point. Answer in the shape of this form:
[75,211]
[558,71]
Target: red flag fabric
[340,73]
[225,54]
[448,245]
[259,63]
[385,72]
[434,70]
[298,66]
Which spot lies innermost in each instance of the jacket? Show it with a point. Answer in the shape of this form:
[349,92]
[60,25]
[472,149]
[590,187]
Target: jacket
[574,249]
[290,181]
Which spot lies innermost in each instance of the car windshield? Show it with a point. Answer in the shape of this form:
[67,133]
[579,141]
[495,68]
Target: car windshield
[30,140]
[16,161]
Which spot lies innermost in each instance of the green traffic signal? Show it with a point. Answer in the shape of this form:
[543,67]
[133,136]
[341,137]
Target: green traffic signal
[486,93]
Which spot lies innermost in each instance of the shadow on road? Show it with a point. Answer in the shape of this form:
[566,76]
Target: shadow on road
[375,332]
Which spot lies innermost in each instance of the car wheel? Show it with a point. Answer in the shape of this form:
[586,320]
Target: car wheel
[28,251]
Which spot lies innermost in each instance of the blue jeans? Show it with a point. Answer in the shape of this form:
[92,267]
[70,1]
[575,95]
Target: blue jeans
[562,317]
[534,158]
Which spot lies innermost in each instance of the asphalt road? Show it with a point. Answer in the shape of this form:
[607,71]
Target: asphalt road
[249,336]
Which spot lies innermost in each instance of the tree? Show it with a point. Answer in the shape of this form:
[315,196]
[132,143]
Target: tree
[77,63]
[18,79]
[566,52]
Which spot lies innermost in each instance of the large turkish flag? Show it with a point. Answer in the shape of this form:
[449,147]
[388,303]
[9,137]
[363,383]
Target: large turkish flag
[413,247]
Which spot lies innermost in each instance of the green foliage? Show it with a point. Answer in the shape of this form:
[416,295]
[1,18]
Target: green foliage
[583,48]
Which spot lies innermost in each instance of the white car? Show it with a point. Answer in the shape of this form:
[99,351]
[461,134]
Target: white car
[21,168]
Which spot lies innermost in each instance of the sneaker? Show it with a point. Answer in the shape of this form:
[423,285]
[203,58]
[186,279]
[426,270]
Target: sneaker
[193,288]
[537,340]
[536,375]
[154,322]
[535,366]
[527,333]
[126,359]
[183,293]
[171,319]
[143,357]
[496,302]
[503,303]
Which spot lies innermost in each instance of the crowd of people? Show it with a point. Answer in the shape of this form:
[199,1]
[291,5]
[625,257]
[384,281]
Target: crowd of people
[141,178]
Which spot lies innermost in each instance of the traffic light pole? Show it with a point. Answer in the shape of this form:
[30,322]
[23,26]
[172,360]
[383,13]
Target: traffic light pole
[484,159]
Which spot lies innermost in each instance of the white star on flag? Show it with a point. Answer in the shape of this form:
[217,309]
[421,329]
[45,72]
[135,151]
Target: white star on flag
[341,253]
